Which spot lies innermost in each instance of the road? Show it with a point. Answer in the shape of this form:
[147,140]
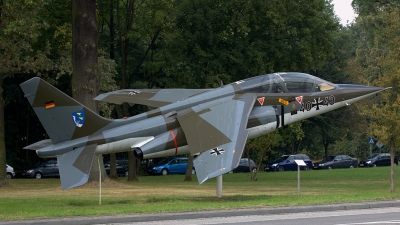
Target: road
[387,212]
[379,216]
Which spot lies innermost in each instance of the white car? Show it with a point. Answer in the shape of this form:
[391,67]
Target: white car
[10,172]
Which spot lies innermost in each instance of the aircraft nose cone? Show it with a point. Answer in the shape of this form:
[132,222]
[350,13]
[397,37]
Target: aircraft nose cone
[355,87]
[353,91]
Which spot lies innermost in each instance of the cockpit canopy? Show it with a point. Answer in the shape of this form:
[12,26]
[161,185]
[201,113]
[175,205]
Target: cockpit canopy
[285,83]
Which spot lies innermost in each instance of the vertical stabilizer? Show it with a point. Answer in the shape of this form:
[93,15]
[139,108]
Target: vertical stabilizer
[62,117]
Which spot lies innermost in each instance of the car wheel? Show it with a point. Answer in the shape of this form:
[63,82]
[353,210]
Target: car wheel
[126,173]
[9,176]
[374,165]
[281,168]
[306,168]
[254,170]
[351,166]
[329,167]
[193,171]
[164,172]
[38,175]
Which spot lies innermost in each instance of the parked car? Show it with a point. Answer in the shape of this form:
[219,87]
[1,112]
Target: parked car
[378,159]
[47,168]
[121,166]
[10,172]
[176,165]
[287,162]
[244,166]
[336,161]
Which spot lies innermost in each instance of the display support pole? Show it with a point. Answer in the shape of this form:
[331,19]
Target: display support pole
[98,161]
[298,180]
[219,186]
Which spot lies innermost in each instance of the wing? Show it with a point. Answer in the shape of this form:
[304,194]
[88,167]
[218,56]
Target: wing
[149,97]
[217,129]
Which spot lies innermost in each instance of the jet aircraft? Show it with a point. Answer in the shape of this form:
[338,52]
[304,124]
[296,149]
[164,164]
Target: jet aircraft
[213,124]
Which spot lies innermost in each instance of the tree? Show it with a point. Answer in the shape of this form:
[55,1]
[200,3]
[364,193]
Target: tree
[386,117]
[228,41]
[189,169]
[378,61]
[85,81]
[20,30]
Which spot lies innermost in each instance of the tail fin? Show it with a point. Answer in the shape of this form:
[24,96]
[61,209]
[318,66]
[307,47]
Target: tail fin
[62,117]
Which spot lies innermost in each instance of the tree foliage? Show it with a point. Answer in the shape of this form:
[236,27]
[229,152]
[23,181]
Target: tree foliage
[378,60]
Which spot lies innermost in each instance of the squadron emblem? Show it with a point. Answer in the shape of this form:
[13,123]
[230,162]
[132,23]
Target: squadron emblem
[78,118]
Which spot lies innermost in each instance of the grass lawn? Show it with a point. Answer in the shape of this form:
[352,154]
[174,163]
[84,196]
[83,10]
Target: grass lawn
[31,198]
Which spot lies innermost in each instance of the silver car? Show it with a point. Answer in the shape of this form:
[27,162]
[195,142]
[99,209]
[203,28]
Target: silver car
[10,172]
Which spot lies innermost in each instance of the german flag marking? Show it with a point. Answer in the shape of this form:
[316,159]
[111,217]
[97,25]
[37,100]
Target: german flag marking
[49,105]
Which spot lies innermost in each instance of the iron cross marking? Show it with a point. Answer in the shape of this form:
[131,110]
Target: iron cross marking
[217,151]
[317,102]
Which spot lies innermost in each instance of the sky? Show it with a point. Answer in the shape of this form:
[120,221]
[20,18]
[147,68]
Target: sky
[343,10]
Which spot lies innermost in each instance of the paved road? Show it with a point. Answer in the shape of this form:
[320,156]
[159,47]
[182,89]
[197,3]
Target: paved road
[342,217]
[341,214]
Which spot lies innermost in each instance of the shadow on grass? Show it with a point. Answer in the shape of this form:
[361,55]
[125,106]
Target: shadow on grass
[83,203]
[79,203]
[235,198]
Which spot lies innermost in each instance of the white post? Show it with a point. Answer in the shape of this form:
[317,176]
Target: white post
[219,186]
[98,161]
[298,180]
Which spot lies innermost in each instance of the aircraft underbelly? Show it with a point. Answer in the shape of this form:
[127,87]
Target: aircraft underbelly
[261,130]
[182,150]
[122,145]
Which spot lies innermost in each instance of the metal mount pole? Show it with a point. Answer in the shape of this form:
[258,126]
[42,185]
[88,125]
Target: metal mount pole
[98,161]
[298,180]
[219,186]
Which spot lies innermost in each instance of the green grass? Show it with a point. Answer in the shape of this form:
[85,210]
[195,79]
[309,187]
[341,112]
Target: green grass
[31,198]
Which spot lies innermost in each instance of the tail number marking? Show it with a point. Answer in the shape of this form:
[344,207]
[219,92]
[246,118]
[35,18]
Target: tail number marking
[329,100]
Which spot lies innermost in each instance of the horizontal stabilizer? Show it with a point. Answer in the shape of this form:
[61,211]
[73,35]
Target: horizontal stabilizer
[149,97]
[39,144]
[75,166]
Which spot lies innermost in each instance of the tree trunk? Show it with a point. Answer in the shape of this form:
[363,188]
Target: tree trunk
[85,81]
[189,169]
[113,166]
[325,142]
[132,175]
[3,173]
[112,30]
[124,42]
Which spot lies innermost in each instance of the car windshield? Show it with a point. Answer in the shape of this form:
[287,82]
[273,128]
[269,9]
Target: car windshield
[373,156]
[121,162]
[281,159]
[39,164]
[165,161]
[329,158]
